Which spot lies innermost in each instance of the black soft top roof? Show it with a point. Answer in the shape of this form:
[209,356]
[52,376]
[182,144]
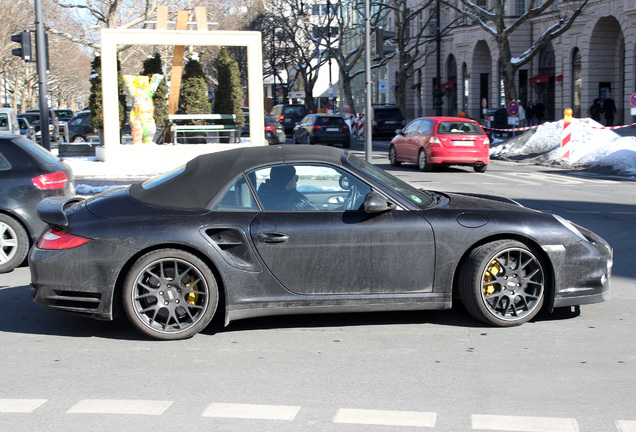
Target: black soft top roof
[206,174]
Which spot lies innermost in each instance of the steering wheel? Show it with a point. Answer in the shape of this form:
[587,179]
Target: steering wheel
[352,198]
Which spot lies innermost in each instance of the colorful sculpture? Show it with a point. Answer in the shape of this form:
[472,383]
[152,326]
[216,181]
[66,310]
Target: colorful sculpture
[142,121]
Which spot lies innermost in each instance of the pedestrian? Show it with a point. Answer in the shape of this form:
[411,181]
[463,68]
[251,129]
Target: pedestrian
[530,113]
[609,108]
[595,110]
[539,112]
[522,114]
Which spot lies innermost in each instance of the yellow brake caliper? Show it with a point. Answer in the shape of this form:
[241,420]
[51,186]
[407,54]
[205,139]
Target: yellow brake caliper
[493,270]
[192,298]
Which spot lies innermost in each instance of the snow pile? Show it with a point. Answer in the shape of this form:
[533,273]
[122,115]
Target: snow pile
[591,147]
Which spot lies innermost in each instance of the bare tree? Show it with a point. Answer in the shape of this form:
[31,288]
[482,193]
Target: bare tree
[501,26]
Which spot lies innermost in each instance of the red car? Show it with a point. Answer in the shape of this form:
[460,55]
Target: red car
[429,141]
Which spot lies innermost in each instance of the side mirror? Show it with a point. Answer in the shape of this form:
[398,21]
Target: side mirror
[344,182]
[399,132]
[376,203]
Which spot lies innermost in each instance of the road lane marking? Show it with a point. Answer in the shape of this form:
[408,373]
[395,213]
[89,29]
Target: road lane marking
[251,411]
[626,425]
[523,424]
[119,406]
[20,405]
[385,418]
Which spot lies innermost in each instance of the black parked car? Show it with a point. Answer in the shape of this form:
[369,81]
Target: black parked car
[386,119]
[322,128]
[78,128]
[270,230]
[28,173]
[288,115]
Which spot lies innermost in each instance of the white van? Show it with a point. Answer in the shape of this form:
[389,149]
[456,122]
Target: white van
[9,121]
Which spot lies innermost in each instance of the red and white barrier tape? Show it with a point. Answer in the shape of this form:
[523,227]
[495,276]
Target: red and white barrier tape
[536,126]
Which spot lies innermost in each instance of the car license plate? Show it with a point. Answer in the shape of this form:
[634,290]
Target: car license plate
[390,122]
[463,143]
[332,129]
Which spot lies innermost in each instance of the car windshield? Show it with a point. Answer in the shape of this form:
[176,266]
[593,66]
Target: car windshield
[418,197]
[387,113]
[459,128]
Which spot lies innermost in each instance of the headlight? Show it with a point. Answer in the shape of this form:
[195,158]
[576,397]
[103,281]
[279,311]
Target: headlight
[569,225]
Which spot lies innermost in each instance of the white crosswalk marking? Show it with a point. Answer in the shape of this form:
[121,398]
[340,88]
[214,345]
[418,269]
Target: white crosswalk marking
[626,425]
[385,418]
[20,405]
[250,411]
[119,406]
[523,424]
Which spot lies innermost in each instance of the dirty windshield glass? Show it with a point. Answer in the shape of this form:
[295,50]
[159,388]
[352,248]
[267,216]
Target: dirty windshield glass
[420,198]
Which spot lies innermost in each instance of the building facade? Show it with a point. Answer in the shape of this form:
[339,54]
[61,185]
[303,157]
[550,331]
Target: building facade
[595,58]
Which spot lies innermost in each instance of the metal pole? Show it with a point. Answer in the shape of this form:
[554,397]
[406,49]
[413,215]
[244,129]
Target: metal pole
[438,80]
[40,47]
[368,127]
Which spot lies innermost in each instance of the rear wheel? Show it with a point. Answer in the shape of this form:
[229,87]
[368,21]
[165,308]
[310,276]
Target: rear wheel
[170,294]
[393,157]
[422,161]
[503,283]
[79,139]
[14,243]
[480,167]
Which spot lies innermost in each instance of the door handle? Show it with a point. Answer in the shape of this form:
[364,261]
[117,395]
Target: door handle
[272,238]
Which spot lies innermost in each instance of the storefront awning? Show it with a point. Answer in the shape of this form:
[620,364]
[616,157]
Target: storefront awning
[559,78]
[541,79]
[449,84]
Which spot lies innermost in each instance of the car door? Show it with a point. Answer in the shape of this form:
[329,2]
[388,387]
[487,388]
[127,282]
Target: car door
[410,142]
[331,250]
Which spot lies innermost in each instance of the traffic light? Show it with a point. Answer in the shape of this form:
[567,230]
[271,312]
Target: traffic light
[381,49]
[24,39]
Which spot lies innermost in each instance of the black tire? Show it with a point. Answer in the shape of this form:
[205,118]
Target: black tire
[163,306]
[480,168]
[14,243]
[422,161]
[503,283]
[393,157]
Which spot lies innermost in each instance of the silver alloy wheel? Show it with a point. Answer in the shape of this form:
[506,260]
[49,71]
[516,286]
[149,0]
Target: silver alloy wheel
[422,162]
[8,243]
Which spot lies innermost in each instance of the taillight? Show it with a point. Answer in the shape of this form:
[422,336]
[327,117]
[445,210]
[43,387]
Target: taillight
[270,128]
[317,127]
[435,142]
[56,239]
[281,118]
[345,127]
[55,180]
[486,142]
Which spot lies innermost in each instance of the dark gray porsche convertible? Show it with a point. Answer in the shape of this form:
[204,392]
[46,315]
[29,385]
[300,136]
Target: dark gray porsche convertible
[304,229]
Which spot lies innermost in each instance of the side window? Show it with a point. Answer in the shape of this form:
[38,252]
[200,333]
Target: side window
[303,187]
[238,197]
[412,128]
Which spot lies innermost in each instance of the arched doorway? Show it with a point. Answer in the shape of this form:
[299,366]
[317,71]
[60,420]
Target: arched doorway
[481,69]
[544,83]
[607,48]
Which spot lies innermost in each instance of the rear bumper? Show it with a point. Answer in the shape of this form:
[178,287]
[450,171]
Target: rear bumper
[443,155]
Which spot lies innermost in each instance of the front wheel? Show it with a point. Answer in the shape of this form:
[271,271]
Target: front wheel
[503,283]
[170,294]
[393,157]
[14,243]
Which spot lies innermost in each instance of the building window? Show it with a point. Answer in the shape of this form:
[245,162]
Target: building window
[521,7]
[576,82]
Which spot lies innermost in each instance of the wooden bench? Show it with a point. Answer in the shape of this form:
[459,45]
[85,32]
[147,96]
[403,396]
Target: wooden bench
[205,133]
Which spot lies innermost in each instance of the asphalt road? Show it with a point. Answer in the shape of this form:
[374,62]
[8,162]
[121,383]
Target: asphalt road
[439,371]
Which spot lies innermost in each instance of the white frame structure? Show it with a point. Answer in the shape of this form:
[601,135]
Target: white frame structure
[111,38]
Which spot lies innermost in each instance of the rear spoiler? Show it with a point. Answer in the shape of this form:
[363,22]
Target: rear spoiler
[51,210]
